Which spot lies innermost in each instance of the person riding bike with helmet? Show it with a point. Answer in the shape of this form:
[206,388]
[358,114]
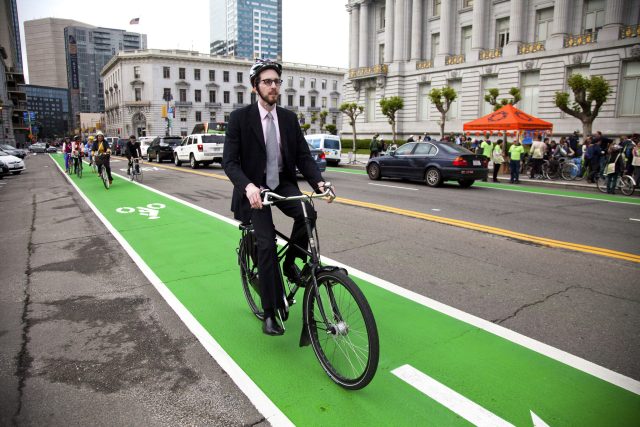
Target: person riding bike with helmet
[77,152]
[101,152]
[132,151]
[263,146]
[66,149]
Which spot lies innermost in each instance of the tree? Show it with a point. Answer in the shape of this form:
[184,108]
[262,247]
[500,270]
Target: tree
[323,119]
[586,92]
[331,128]
[314,117]
[389,107]
[352,110]
[305,127]
[442,99]
[492,98]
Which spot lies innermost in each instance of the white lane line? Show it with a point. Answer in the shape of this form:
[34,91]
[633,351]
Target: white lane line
[561,195]
[394,186]
[452,400]
[556,354]
[265,406]
[634,219]
[436,210]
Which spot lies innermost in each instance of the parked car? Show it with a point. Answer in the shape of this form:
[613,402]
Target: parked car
[199,149]
[330,144]
[320,158]
[162,148]
[38,147]
[52,149]
[15,164]
[120,147]
[432,162]
[10,149]
[4,169]
[145,141]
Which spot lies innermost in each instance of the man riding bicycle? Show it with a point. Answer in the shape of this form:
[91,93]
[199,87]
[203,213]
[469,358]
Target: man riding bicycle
[132,151]
[101,152]
[264,144]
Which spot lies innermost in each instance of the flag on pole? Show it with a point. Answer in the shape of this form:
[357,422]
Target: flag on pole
[134,21]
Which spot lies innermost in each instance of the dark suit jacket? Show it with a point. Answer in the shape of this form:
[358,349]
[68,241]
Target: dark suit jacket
[245,155]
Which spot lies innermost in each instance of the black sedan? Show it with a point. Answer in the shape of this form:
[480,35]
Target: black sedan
[432,162]
[162,147]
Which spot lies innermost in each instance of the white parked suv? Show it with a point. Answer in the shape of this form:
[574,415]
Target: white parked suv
[145,142]
[199,149]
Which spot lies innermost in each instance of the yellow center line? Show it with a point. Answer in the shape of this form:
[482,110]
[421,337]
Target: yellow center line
[459,223]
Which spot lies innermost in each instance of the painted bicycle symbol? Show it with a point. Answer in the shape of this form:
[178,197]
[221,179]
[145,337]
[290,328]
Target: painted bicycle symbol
[152,210]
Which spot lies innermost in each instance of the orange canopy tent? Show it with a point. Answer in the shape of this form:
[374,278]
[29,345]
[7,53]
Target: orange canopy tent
[507,118]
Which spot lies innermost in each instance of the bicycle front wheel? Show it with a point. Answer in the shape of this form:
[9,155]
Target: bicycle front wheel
[627,185]
[105,179]
[347,345]
[247,259]
[569,171]
[601,183]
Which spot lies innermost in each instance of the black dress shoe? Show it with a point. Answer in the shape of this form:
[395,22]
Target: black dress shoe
[270,326]
[292,273]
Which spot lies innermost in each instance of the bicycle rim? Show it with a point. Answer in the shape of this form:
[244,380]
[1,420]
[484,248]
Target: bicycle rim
[347,348]
[105,180]
[626,185]
[601,183]
[249,275]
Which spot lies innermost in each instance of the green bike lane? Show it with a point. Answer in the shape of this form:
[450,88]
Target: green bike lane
[192,253]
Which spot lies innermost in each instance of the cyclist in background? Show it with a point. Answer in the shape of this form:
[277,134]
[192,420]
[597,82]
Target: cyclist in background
[101,151]
[132,151]
[66,149]
[77,151]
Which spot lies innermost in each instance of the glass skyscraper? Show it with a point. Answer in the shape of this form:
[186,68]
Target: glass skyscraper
[246,28]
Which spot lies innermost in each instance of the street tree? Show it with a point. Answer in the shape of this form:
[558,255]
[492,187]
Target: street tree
[323,119]
[492,98]
[305,127]
[389,107]
[442,99]
[352,111]
[589,93]
[331,128]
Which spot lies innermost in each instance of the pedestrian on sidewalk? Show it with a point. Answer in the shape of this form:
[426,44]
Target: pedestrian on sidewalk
[515,154]
[594,153]
[498,159]
[615,167]
[487,149]
[636,164]
[537,157]
[374,146]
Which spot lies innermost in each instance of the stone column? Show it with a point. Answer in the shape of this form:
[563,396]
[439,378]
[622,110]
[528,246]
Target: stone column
[363,58]
[478,30]
[447,30]
[388,30]
[354,28]
[398,31]
[417,25]
[561,13]
[613,20]
[515,27]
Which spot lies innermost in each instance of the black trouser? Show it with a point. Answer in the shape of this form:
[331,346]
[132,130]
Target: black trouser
[496,169]
[268,271]
[536,169]
[130,159]
[103,162]
[594,164]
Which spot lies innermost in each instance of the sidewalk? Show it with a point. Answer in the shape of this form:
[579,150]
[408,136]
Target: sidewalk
[362,159]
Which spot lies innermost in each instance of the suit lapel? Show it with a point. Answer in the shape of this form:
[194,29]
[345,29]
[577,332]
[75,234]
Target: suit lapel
[256,125]
[283,134]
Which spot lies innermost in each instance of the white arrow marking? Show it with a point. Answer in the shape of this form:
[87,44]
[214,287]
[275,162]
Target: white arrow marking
[456,402]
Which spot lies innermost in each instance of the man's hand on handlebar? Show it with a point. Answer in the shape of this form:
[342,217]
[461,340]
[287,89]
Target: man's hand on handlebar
[324,186]
[253,194]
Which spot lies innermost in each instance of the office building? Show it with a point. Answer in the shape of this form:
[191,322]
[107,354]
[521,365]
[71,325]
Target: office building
[51,108]
[46,56]
[246,28]
[13,99]
[407,47]
[141,86]
[87,51]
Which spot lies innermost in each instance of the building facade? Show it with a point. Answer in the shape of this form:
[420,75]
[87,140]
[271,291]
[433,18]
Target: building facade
[87,51]
[13,99]
[51,108]
[408,47]
[246,28]
[142,88]
[46,56]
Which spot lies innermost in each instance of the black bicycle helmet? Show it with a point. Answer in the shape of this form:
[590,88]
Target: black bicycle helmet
[261,65]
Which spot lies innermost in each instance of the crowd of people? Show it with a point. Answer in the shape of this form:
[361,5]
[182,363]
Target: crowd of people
[595,155]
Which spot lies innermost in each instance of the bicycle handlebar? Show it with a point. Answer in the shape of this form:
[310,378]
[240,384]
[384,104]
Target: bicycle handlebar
[269,197]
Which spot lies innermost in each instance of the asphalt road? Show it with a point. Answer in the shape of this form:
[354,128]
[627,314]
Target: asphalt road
[129,352]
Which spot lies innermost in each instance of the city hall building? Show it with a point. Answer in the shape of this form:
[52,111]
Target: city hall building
[408,47]
[157,92]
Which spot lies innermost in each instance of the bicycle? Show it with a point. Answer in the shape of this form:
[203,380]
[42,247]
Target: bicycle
[135,172]
[337,319]
[626,184]
[103,171]
[77,166]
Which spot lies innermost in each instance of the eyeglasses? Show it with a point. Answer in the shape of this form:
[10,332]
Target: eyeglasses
[269,82]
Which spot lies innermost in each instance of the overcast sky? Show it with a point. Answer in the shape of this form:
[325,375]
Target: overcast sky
[313,31]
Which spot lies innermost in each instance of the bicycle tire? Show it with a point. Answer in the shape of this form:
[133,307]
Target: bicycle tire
[569,171]
[357,348]
[105,178]
[627,185]
[79,171]
[247,258]
[601,183]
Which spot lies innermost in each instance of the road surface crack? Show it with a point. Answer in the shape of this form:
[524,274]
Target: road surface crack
[24,359]
[360,247]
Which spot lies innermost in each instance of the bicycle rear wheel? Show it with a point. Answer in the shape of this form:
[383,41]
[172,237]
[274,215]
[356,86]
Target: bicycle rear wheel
[601,183]
[569,171]
[247,258]
[348,347]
